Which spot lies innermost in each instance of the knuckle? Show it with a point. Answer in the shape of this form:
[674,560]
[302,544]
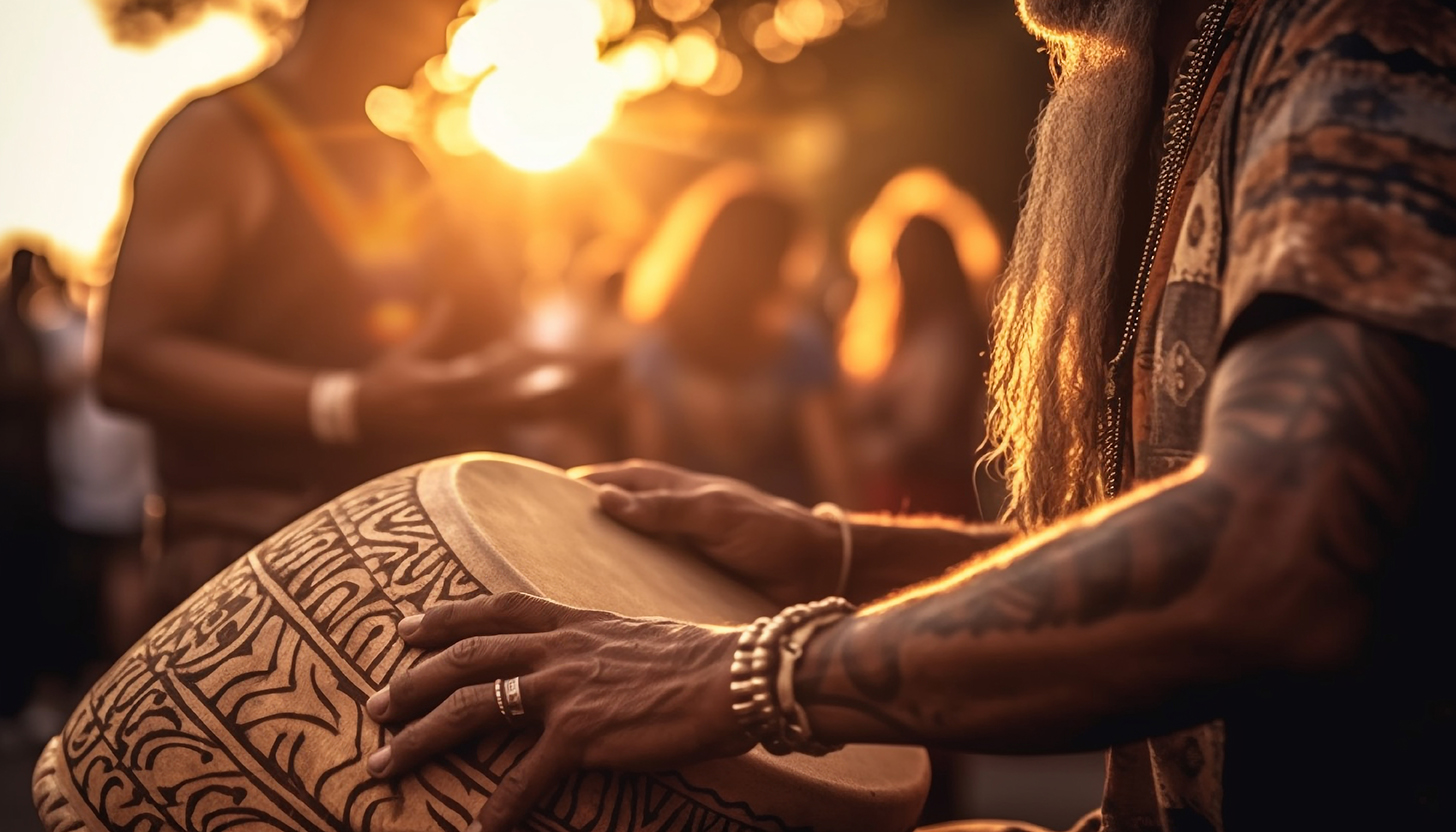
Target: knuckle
[525,609]
[465,654]
[714,498]
[406,745]
[462,707]
[402,687]
[513,603]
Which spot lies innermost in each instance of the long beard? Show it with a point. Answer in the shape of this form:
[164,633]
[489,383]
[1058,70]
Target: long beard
[1047,374]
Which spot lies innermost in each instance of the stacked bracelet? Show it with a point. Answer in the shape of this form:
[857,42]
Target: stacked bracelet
[763,673]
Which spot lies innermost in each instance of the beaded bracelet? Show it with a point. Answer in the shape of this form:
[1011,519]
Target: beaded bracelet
[762,676]
[753,705]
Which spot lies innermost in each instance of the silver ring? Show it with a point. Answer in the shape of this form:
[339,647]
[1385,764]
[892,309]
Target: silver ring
[508,699]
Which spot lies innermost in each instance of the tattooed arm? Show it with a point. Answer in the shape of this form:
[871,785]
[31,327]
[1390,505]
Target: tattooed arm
[1134,618]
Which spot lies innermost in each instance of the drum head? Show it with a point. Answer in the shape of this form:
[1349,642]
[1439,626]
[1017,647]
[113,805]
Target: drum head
[243,709]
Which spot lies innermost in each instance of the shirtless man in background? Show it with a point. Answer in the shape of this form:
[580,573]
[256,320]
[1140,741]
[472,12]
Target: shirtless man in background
[292,311]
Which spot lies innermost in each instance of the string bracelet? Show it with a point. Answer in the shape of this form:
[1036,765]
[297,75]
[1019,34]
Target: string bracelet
[846,541]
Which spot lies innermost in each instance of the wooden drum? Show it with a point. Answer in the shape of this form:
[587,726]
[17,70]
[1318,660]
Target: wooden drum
[244,709]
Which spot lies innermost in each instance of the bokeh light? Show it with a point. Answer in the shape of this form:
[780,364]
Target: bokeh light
[802,21]
[727,76]
[696,57]
[618,18]
[531,81]
[679,11]
[539,101]
[391,109]
[772,45]
[643,63]
[540,122]
[452,130]
[533,69]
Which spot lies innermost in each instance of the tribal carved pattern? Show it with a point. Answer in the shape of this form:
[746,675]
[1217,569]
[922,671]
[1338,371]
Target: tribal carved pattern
[243,709]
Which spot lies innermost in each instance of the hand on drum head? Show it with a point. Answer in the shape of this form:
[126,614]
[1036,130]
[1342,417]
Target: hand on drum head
[605,691]
[774,545]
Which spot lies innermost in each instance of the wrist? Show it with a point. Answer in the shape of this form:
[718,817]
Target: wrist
[820,564]
[763,699]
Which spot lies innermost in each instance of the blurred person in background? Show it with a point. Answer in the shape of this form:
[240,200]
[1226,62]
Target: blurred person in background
[102,473]
[293,311]
[732,376]
[29,535]
[921,419]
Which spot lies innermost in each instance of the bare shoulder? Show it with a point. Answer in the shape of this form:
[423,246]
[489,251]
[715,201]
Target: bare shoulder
[207,153]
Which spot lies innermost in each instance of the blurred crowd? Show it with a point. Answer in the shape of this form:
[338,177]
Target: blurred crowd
[717,347]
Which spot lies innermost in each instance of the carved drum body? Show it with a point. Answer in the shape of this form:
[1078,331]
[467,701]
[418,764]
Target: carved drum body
[243,709]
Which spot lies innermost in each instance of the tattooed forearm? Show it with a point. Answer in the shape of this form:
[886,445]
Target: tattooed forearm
[1141,610]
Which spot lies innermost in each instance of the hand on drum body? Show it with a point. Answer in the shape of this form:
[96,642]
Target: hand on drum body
[606,691]
[775,545]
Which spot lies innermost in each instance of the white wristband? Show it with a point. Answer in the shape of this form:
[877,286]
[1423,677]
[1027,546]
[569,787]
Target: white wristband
[333,407]
[846,554]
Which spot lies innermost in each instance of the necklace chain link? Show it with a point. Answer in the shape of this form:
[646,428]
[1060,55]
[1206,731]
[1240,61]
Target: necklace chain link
[1180,115]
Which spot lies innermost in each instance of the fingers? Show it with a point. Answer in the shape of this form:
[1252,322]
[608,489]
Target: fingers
[465,714]
[638,475]
[524,785]
[508,612]
[471,661]
[703,511]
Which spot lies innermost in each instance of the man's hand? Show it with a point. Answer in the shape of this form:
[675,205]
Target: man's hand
[607,692]
[774,545]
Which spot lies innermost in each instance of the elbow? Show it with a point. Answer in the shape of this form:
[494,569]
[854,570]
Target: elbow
[1315,632]
[1289,629]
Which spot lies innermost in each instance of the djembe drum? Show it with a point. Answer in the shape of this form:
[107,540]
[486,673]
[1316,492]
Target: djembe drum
[244,708]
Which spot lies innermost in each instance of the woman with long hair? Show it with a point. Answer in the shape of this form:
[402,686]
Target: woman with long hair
[921,418]
[731,376]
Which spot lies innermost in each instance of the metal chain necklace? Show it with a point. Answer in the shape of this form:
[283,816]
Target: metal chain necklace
[1180,114]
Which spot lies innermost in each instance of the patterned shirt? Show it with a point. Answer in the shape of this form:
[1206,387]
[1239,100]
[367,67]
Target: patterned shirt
[1323,169]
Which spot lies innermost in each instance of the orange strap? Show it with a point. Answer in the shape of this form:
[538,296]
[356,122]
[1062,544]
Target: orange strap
[364,232]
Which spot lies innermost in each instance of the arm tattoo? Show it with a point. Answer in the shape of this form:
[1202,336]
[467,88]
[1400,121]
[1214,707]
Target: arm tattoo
[1311,463]
[1334,421]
